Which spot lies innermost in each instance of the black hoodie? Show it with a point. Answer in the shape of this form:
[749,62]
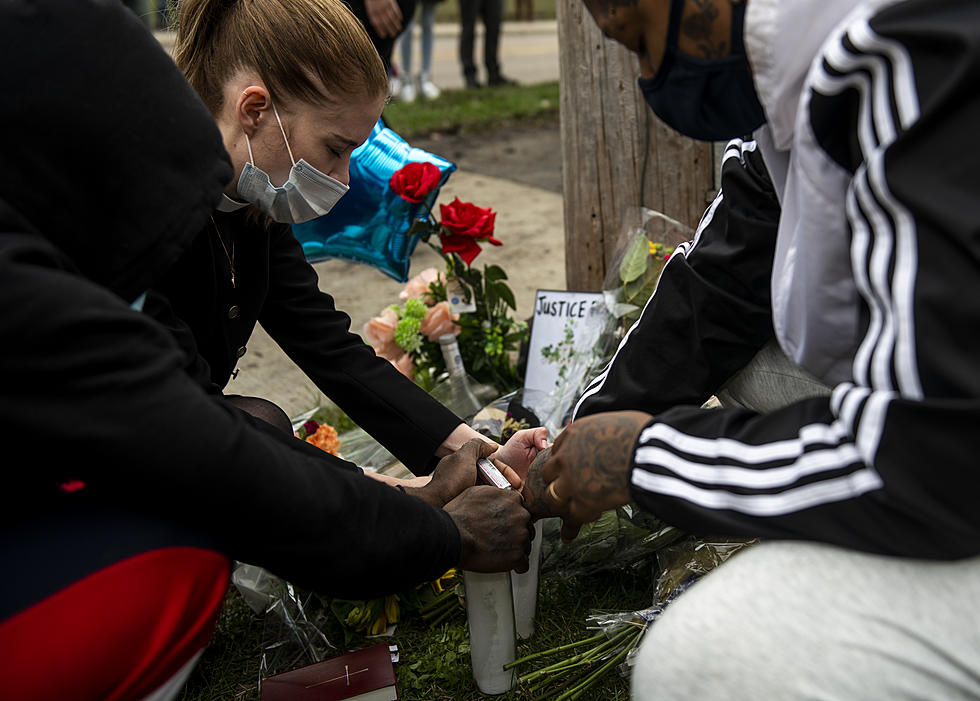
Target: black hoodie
[110,165]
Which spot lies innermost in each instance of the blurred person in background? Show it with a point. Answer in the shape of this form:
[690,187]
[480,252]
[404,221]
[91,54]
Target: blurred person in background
[491,13]
[420,84]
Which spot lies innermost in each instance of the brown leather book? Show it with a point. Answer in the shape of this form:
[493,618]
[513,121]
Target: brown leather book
[362,675]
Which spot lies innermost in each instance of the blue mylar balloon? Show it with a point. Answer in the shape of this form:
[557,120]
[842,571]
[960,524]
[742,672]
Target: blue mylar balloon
[370,223]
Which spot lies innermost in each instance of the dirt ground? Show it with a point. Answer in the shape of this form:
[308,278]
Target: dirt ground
[517,172]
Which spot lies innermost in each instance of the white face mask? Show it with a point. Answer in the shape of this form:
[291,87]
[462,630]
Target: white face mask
[307,194]
[229,205]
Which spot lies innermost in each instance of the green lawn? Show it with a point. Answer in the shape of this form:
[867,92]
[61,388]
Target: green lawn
[461,111]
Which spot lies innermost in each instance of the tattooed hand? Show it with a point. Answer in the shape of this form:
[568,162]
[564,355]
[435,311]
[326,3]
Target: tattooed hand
[587,472]
[535,490]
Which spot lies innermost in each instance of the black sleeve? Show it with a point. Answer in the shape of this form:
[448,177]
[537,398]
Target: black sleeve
[888,463]
[710,312]
[316,336]
[94,391]
[158,307]
[384,45]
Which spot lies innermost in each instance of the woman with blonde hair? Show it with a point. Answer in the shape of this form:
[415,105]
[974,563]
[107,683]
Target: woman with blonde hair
[294,86]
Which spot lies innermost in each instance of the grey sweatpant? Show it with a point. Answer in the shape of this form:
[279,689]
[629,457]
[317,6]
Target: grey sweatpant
[805,621]
[793,620]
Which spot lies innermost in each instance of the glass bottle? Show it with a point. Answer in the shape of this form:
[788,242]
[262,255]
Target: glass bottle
[457,394]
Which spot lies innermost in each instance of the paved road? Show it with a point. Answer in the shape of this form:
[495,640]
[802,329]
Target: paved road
[528,52]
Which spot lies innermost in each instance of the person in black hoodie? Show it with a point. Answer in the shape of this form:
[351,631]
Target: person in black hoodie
[126,484]
[294,86]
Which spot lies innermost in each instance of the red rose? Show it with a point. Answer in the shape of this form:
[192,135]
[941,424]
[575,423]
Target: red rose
[466,219]
[467,248]
[463,224]
[414,181]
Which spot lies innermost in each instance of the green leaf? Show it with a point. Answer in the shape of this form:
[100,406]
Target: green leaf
[494,272]
[490,295]
[634,262]
[505,293]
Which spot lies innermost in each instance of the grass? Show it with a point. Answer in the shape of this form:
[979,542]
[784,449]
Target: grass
[435,663]
[465,111]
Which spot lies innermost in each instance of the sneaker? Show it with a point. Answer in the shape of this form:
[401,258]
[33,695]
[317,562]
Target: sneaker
[407,93]
[500,80]
[428,88]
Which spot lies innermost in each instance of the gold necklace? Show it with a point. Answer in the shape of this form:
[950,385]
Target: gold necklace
[231,258]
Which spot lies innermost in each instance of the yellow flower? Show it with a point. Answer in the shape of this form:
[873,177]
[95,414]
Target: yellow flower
[392,608]
[379,626]
[437,583]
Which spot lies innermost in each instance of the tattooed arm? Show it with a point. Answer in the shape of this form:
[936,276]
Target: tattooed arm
[587,470]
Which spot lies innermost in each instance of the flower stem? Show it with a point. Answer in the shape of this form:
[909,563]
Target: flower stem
[575,692]
[562,684]
[583,658]
[444,616]
[437,602]
[560,648]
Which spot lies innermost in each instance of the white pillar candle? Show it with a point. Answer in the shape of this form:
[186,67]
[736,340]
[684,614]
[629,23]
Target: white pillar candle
[525,588]
[490,616]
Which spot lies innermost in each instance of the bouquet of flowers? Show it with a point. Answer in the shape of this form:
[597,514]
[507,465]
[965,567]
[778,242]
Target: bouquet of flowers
[476,305]
[648,247]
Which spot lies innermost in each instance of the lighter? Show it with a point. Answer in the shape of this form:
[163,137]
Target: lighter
[492,475]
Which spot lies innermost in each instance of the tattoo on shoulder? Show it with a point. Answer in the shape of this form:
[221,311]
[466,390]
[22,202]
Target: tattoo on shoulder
[700,26]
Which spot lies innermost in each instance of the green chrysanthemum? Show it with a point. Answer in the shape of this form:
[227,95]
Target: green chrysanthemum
[407,334]
[414,309]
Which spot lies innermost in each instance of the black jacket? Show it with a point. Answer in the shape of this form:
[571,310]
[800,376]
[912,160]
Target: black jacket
[865,268]
[275,286]
[112,165]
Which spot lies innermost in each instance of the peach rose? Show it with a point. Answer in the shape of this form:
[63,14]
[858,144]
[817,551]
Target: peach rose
[380,333]
[438,321]
[419,285]
[404,365]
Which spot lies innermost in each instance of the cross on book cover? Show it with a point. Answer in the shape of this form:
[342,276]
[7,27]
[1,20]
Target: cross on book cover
[362,675]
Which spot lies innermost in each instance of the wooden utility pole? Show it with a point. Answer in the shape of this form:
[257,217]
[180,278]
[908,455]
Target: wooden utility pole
[616,155]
